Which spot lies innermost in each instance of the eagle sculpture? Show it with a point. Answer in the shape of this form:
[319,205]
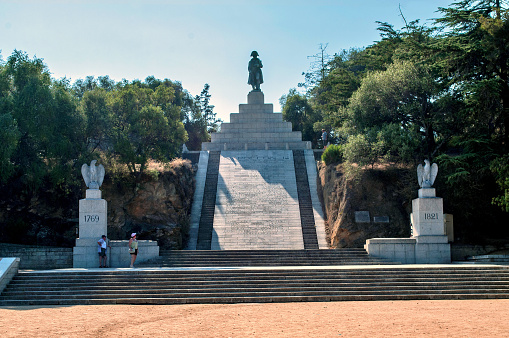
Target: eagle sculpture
[426,175]
[93,175]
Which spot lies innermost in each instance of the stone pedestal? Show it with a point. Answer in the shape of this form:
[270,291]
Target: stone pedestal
[432,244]
[92,225]
[256,127]
[429,243]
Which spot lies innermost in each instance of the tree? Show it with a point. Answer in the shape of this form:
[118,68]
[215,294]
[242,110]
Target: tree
[298,111]
[9,136]
[207,110]
[145,126]
[9,133]
[319,68]
[406,95]
[474,55]
[99,115]
[50,127]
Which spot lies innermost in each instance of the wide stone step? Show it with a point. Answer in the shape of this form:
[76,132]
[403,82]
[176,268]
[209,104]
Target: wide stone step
[252,292]
[179,258]
[48,285]
[238,298]
[236,285]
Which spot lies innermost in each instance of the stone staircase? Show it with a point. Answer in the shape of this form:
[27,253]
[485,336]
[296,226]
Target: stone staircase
[266,258]
[256,285]
[307,219]
[209,202]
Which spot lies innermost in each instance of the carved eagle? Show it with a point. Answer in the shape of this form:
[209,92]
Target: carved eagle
[426,175]
[93,175]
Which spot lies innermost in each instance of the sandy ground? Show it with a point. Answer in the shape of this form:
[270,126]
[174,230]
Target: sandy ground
[474,318]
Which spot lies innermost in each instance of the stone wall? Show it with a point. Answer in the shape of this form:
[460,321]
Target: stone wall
[459,252]
[38,257]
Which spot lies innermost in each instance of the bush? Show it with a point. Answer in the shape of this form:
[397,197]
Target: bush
[361,150]
[333,154]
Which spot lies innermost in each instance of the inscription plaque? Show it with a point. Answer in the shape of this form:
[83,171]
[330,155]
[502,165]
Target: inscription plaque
[381,219]
[362,217]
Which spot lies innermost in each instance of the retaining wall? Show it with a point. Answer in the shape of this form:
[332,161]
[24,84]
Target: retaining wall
[38,257]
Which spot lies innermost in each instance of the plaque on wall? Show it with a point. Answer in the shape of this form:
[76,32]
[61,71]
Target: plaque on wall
[362,217]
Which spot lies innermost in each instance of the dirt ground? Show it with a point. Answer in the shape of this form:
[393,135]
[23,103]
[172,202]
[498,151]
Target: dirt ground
[459,318]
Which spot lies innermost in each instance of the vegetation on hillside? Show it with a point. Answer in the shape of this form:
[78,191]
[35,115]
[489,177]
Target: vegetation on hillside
[439,92]
[50,127]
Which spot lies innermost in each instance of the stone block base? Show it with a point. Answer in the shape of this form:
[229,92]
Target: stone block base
[417,250]
[394,249]
[85,253]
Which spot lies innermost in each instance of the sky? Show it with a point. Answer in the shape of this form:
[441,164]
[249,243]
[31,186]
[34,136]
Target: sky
[197,41]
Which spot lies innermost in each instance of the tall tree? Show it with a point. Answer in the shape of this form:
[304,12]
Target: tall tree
[474,55]
[207,110]
[298,111]
[50,127]
[145,125]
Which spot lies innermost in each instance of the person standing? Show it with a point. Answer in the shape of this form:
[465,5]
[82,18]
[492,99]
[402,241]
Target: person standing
[101,250]
[133,248]
[324,138]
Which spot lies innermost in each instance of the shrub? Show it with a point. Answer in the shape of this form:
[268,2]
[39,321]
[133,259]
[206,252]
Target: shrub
[333,154]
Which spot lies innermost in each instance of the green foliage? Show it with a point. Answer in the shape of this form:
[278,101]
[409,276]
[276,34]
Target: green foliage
[428,92]
[207,110]
[145,125]
[297,110]
[362,150]
[9,136]
[405,95]
[333,154]
[500,167]
[49,128]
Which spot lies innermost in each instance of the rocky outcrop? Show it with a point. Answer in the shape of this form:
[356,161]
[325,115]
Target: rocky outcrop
[157,206]
[382,192]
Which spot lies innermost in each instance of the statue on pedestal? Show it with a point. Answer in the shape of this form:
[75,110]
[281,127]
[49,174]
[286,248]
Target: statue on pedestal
[255,71]
[426,175]
[93,175]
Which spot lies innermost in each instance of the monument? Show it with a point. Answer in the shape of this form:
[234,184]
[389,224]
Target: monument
[92,217]
[256,182]
[429,242]
[256,126]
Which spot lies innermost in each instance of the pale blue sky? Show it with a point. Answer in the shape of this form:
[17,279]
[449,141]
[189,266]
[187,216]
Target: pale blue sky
[197,41]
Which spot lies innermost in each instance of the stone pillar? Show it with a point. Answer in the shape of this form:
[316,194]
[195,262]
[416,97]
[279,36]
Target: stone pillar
[92,225]
[432,245]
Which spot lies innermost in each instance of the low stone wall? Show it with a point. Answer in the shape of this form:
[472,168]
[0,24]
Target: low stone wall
[8,269]
[120,257]
[460,252]
[38,257]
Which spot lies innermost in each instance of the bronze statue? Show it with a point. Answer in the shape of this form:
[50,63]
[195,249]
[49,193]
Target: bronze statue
[255,71]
